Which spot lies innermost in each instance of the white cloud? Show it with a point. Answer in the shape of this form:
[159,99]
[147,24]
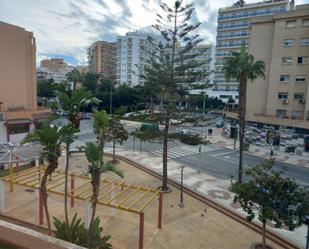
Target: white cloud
[70,26]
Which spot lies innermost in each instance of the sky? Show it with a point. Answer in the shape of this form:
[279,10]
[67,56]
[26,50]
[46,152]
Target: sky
[66,28]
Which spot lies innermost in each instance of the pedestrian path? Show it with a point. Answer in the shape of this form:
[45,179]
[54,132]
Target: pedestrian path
[206,184]
[180,151]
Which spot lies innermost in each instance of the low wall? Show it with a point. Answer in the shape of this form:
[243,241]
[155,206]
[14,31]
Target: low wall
[25,238]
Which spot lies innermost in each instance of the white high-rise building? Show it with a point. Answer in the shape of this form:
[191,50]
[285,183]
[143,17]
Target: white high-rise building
[132,50]
[233,31]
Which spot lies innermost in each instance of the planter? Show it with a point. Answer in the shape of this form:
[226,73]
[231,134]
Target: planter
[260,246]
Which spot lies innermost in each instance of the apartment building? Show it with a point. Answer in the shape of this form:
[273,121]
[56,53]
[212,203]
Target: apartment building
[233,31]
[53,68]
[18,95]
[102,59]
[282,42]
[206,53]
[132,54]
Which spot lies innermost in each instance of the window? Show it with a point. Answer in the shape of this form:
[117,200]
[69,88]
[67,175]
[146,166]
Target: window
[297,115]
[305,23]
[304,42]
[284,78]
[283,95]
[300,78]
[287,60]
[299,96]
[20,128]
[290,24]
[303,60]
[281,113]
[288,42]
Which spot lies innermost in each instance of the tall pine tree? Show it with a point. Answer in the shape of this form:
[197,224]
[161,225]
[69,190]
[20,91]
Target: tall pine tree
[176,64]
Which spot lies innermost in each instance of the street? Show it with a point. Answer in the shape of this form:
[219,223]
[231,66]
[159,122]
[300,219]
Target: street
[214,160]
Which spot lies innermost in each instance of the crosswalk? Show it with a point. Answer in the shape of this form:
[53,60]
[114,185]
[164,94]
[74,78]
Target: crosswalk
[180,151]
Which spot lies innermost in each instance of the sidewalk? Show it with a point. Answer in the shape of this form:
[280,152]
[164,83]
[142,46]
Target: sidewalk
[206,185]
[260,151]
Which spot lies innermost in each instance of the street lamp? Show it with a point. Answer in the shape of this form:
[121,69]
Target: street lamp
[307,222]
[181,204]
[111,101]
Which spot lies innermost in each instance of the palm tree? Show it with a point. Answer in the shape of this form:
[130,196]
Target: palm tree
[74,76]
[94,154]
[51,139]
[71,103]
[69,135]
[242,66]
[100,126]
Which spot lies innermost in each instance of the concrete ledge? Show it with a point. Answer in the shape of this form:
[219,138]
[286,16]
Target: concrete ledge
[25,238]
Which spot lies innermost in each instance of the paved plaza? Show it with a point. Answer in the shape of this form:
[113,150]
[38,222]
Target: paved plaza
[195,226]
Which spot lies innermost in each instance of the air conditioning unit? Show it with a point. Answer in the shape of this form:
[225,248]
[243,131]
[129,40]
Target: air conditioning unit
[302,101]
[285,101]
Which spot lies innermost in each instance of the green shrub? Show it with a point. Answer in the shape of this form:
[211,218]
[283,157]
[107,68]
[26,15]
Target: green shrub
[77,233]
[191,139]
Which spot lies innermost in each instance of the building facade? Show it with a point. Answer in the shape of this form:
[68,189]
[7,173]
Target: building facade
[53,68]
[102,59]
[18,94]
[132,51]
[282,42]
[233,31]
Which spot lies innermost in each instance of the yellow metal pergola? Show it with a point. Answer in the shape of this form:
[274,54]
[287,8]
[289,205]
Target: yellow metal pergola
[112,193]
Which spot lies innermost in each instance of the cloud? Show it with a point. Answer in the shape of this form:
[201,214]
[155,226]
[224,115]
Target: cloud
[66,28]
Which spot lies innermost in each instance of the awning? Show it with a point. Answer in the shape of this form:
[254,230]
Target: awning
[18,121]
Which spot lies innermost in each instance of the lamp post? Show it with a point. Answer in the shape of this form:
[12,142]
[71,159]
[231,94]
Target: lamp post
[181,204]
[111,101]
[307,222]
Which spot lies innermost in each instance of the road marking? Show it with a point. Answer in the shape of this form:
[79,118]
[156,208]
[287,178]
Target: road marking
[224,153]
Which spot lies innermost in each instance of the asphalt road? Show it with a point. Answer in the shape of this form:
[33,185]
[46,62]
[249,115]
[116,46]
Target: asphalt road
[216,161]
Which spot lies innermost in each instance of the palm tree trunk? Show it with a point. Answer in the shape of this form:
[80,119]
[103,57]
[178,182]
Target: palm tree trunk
[264,235]
[95,190]
[165,141]
[242,120]
[66,183]
[47,172]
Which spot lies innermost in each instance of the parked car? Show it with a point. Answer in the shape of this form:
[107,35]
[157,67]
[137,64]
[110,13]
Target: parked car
[149,127]
[183,132]
[220,124]
[175,121]
[86,115]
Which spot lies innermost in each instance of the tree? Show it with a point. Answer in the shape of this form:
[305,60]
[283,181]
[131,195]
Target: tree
[100,126]
[271,197]
[116,133]
[94,154]
[46,88]
[76,232]
[74,76]
[90,82]
[173,66]
[72,102]
[51,139]
[242,66]
[69,135]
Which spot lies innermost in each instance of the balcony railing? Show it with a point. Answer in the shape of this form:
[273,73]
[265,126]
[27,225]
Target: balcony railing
[234,26]
[222,35]
[251,14]
[234,44]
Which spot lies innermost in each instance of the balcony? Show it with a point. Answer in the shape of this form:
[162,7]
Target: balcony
[234,26]
[243,15]
[232,44]
[222,36]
